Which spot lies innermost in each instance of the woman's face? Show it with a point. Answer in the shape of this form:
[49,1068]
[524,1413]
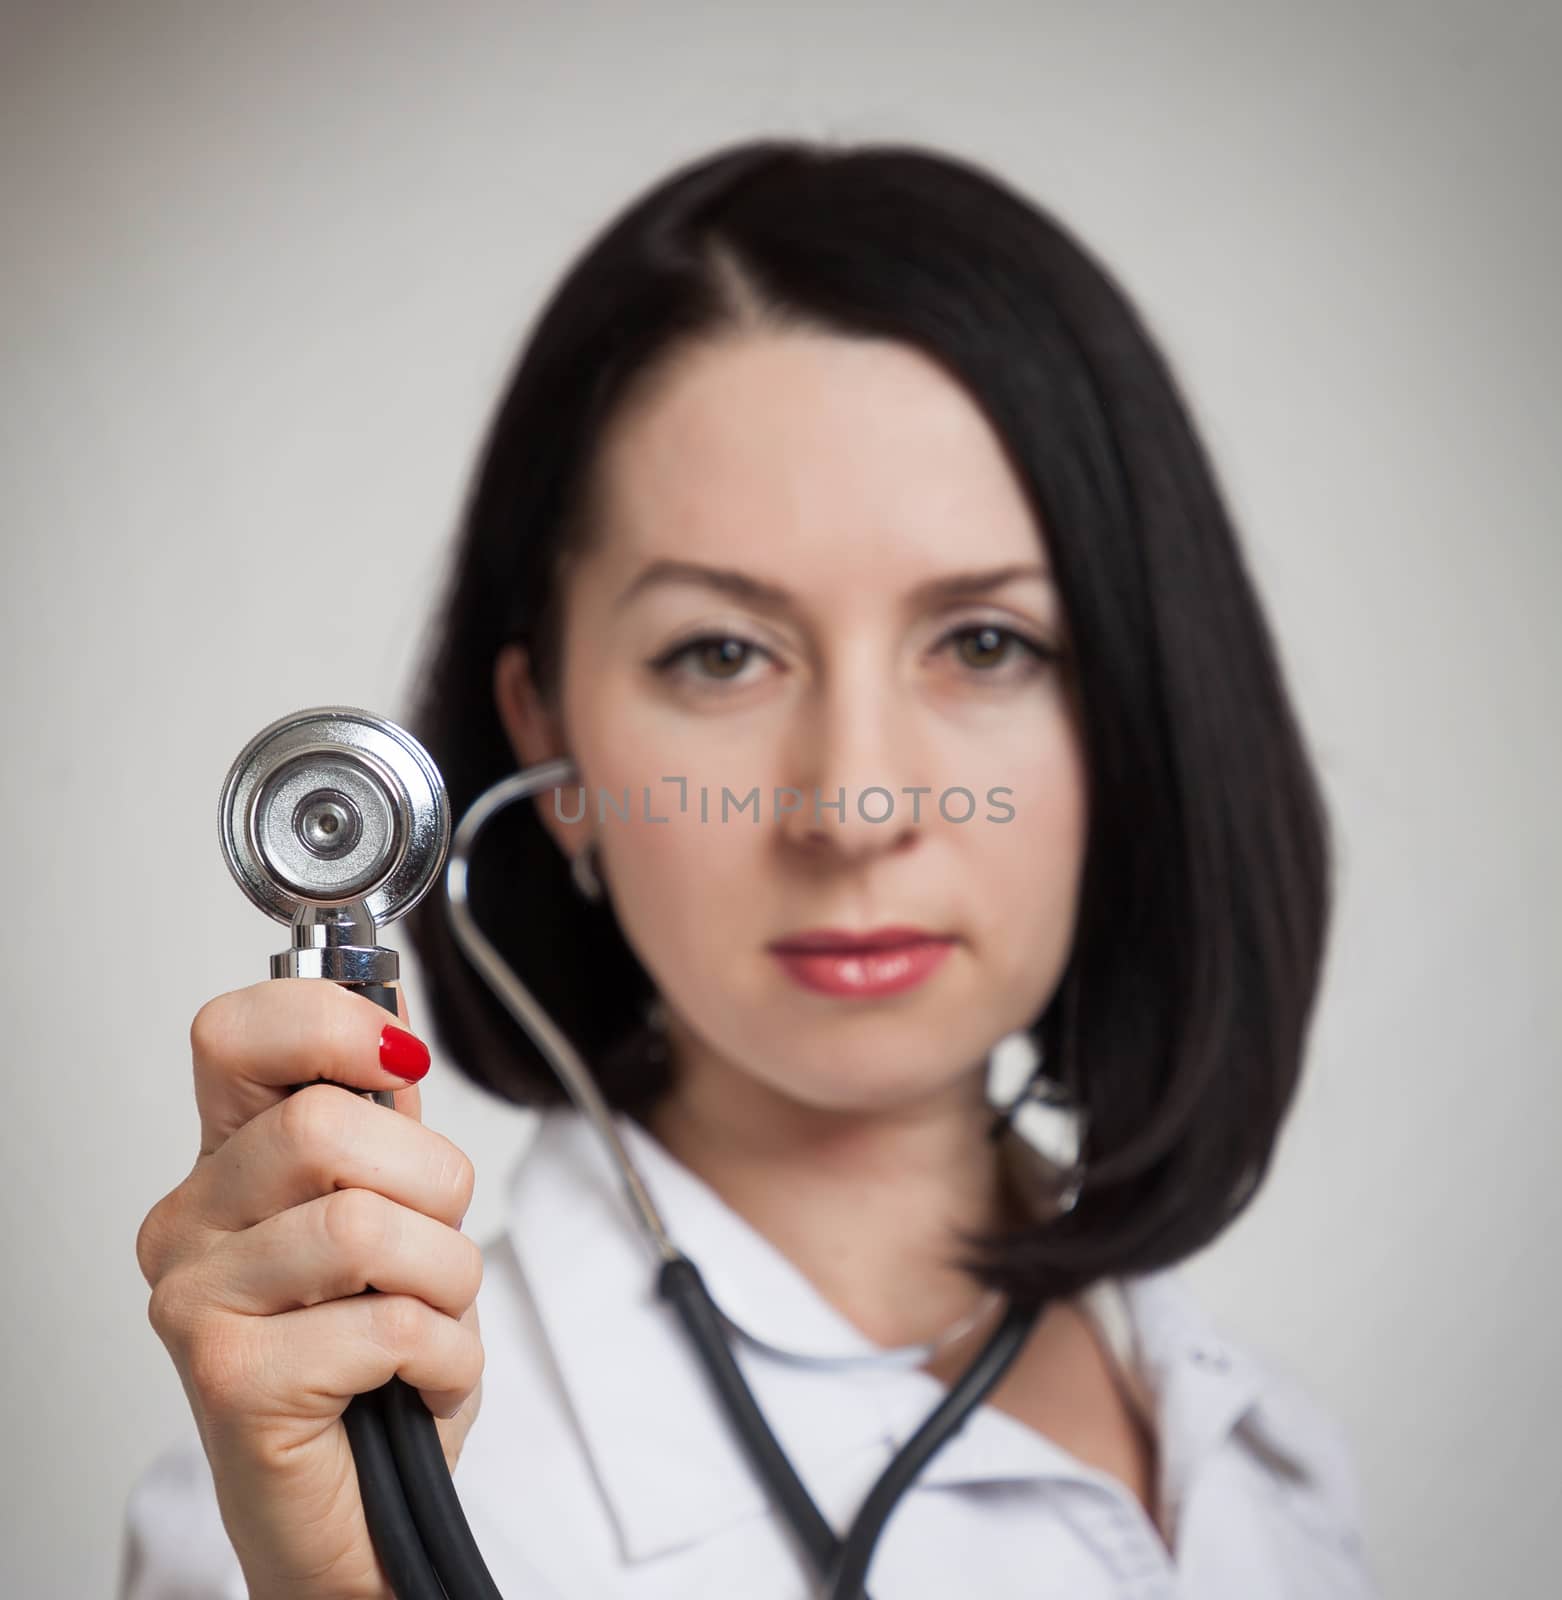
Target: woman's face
[846,478]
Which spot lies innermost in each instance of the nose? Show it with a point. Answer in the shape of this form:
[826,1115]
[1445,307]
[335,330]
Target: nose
[856,759]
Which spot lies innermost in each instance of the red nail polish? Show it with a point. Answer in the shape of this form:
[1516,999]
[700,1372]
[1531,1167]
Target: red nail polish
[403,1053]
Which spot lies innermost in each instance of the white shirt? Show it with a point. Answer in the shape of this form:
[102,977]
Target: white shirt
[601,1466]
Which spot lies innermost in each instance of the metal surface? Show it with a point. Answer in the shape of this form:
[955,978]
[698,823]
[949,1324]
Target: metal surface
[332,806]
[518,1000]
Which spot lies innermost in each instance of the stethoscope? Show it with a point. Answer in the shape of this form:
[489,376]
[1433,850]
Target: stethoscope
[336,822]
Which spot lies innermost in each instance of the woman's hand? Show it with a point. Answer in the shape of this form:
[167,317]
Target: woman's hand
[296,1203]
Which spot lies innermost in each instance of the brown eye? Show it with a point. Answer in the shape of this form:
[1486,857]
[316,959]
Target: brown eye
[986,646]
[983,647]
[724,657]
[711,658]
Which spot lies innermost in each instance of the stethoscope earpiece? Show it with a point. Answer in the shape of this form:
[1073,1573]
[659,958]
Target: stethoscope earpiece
[332,806]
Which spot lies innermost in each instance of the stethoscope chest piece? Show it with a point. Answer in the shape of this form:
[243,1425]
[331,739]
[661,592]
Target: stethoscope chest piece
[336,821]
[333,806]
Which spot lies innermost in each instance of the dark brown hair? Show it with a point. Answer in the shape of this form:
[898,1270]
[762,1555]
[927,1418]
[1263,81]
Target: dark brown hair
[1181,1017]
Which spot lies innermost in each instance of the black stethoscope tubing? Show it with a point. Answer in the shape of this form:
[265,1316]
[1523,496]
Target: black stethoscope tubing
[414,1517]
[420,1531]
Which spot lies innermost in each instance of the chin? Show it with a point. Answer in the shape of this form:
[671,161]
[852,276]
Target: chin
[885,1080]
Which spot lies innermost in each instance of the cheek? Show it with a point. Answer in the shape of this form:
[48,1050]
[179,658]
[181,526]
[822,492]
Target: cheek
[686,896]
[677,881]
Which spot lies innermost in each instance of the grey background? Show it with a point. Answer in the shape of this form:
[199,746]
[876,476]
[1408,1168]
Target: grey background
[262,270]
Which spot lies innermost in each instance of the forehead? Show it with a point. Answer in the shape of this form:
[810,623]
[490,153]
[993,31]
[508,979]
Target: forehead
[810,452]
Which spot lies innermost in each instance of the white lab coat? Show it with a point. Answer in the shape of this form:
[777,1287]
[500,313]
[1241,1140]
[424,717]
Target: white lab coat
[599,1465]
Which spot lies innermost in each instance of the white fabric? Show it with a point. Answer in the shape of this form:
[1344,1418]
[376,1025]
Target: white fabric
[600,1465]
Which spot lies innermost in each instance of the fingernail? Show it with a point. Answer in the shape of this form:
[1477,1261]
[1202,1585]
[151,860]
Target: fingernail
[403,1053]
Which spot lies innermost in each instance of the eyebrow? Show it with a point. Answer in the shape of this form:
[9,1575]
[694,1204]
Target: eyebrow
[769,597]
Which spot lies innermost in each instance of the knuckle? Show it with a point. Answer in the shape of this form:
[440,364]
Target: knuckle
[211,1029]
[400,1323]
[151,1242]
[357,1223]
[177,1308]
[313,1122]
[217,1360]
[164,1308]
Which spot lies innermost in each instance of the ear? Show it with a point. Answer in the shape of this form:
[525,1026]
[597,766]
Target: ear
[535,735]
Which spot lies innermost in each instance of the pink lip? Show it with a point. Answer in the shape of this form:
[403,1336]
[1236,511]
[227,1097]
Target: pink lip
[867,970]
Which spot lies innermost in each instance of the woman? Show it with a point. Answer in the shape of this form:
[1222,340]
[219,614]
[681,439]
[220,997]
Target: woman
[846,528]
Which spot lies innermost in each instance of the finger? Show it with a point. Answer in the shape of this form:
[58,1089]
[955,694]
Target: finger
[309,1144]
[456,1413]
[322,1139]
[309,1363]
[253,1047]
[340,1245]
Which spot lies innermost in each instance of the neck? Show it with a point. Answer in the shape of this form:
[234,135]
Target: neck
[865,1204]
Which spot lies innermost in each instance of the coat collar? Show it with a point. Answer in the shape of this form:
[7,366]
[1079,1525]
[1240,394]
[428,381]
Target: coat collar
[660,1447]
